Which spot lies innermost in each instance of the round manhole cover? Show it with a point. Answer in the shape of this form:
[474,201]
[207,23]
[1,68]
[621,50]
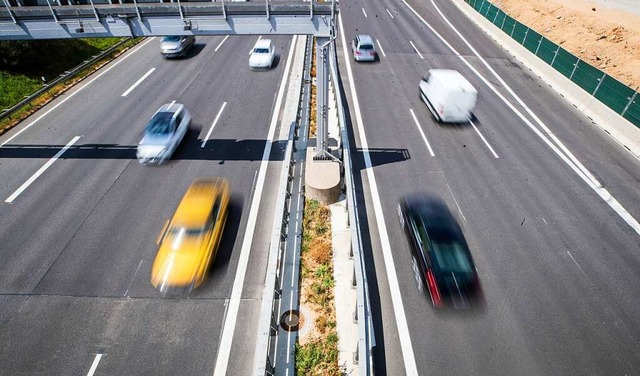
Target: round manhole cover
[291,321]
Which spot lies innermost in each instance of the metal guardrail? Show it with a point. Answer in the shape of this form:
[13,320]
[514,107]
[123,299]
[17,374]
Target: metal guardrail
[366,338]
[267,324]
[63,77]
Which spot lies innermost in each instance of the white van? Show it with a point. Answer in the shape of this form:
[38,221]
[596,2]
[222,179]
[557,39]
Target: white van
[449,96]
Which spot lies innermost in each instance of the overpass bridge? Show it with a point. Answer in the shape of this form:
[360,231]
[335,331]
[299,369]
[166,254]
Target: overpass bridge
[58,19]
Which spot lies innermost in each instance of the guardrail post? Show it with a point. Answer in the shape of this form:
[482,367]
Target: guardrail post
[351,252]
[356,355]
[354,281]
[629,104]
[274,329]
[355,312]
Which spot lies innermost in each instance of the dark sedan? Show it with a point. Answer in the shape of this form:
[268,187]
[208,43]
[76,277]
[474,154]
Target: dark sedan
[442,260]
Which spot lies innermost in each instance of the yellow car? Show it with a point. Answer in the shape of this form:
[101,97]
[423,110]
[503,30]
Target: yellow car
[189,242]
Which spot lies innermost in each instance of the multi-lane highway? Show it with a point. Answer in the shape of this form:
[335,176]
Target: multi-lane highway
[548,202]
[77,243]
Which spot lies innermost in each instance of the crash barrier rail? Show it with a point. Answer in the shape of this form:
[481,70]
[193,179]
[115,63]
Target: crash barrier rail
[62,78]
[611,92]
[268,322]
[363,354]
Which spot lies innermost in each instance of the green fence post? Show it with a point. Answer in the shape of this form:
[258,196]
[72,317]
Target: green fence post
[575,66]
[629,104]
[537,48]
[599,83]
[555,54]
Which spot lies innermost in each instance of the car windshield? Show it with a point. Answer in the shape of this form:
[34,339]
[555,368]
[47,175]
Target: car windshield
[173,38]
[160,124]
[451,257]
[366,47]
[187,231]
[261,50]
[179,235]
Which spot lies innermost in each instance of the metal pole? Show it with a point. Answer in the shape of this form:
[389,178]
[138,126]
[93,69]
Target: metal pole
[629,104]
[575,66]
[539,44]
[599,83]
[554,56]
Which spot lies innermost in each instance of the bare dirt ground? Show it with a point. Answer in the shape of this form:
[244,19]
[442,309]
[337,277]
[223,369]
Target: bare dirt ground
[606,38]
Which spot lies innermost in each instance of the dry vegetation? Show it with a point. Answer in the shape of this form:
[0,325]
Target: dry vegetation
[608,39]
[317,352]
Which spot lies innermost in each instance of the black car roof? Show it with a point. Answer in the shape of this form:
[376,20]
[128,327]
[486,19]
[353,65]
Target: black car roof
[438,220]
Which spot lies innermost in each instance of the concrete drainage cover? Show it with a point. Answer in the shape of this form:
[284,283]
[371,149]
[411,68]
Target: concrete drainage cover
[292,321]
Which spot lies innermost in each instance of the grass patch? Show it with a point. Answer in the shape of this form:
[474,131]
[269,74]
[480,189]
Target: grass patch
[319,354]
[57,58]
[318,357]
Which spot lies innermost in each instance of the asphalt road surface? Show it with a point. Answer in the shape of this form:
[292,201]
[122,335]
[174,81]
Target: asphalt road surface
[77,244]
[558,258]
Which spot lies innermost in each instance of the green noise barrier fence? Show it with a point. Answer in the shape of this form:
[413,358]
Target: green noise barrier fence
[613,93]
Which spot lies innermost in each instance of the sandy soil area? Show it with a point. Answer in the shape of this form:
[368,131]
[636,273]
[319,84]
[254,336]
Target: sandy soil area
[606,38]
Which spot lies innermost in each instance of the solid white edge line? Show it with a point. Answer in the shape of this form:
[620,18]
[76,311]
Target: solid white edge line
[290,331]
[521,102]
[220,44]
[41,171]
[416,49]
[483,139]
[424,137]
[204,142]
[389,13]
[584,174]
[365,13]
[138,82]
[94,365]
[380,46]
[222,359]
[396,297]
[76,92]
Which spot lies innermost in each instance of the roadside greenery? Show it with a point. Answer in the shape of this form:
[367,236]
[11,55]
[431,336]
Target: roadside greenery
[317,354]
[24,64]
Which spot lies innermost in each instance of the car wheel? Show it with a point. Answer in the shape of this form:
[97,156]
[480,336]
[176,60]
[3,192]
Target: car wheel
[416,274]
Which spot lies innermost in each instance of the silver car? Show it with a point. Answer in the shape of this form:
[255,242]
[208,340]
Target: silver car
[363,48]
[163,133]
[176,45]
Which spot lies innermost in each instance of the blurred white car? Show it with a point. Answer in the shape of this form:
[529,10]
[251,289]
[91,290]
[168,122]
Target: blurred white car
[163,133]
[262,54]
[176,45]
